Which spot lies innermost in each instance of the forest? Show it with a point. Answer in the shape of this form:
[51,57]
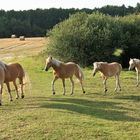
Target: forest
[33,23]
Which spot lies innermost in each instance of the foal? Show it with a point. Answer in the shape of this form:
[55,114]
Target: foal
[135,63]
[63,71]
[108,70]
[9,73]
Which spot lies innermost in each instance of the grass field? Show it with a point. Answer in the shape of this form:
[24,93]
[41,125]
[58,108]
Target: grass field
[93,116]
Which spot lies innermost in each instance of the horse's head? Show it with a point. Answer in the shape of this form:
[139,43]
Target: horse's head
[96,67]
[48,63]
[131,63]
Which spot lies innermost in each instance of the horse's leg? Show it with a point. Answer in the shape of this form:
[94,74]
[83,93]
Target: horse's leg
[72,85]
[82,86]
[14,82]
[22,92]
[21,87]
[137,78]
[104,82]
[1,87]
[119,83]
[116,77]
[55,78]
[9,90]
[64,89]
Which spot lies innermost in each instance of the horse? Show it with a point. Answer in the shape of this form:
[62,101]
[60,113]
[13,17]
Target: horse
[135,63]
[64,70]
[9,73]
[108,70]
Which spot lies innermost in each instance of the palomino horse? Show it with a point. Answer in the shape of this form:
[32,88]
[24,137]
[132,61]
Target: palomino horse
[135,63]
[63,71]
[108,70]
[9,73]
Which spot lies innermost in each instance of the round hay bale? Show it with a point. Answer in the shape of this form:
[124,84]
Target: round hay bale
[13,36]
[22,38]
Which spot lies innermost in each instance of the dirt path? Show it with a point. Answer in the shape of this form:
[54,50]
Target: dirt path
[10,48]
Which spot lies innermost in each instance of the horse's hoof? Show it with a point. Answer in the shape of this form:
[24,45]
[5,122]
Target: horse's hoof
[11,100]
[0,104]
[22,96]
[17,97]
[105,90]
[137,85]
[84,92]
[53,93]
[71,93]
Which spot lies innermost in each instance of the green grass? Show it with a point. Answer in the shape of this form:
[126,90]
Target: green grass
[43,116]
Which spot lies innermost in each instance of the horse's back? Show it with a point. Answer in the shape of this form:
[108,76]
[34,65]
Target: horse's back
[115,67]
[66,70]
[111,69]
[13,71]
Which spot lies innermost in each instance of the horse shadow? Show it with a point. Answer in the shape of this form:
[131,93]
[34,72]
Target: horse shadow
[100,109]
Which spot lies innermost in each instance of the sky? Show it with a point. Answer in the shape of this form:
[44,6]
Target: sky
[45,4]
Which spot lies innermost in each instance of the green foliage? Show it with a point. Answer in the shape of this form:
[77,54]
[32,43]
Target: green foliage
[85,38]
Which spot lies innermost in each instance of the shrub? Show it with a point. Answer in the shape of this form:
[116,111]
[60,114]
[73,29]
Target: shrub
[85,38]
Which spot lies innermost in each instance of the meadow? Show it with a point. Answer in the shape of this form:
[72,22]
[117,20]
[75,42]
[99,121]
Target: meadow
[43,116]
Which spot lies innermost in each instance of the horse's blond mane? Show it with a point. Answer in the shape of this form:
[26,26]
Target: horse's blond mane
[56,62]
[137,61]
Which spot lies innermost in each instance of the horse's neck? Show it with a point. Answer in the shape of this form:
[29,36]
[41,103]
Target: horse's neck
[56,65]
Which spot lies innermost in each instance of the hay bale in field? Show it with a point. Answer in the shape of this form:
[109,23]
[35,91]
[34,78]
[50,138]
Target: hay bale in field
[13,36]
[22,38]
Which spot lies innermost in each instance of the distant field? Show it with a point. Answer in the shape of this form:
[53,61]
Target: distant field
[15,48]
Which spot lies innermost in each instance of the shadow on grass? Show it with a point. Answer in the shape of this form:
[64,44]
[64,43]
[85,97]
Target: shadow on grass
[130,97]
[100,109]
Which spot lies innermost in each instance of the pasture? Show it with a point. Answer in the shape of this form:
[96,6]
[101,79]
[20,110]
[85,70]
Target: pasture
[41,115]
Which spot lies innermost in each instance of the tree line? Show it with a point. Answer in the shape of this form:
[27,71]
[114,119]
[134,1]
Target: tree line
[32,23]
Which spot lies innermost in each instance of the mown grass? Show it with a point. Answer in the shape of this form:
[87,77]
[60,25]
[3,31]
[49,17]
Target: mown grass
[43,116]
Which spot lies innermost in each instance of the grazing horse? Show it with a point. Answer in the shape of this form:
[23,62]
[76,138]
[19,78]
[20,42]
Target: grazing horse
[64,70]
[135,63]
[9,73]
[108,70]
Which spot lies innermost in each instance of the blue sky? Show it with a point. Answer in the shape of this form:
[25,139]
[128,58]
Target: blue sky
[33,4]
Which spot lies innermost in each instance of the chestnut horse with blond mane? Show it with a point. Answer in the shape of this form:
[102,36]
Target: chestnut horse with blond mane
[135,63]
[9,73]
[108,70]
[64,70]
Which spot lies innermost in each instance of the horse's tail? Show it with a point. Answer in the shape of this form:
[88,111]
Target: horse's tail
[24,78]
[120,68]
[79,73]
[27,81]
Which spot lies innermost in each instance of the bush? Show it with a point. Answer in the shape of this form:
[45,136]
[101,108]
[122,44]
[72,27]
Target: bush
[85,38]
